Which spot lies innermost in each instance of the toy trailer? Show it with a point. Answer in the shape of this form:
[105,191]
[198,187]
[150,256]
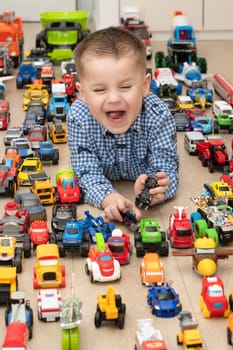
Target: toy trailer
[223,87]
[16,337]
[147,337]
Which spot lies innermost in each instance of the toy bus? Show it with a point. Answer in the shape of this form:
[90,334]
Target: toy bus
[223,87]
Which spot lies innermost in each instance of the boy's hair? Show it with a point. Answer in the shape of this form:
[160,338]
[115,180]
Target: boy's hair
[112,41]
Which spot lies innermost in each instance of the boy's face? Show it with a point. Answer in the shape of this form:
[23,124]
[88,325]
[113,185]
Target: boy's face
[113,89]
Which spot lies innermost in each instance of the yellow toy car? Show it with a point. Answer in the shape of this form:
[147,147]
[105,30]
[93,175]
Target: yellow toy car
[35,92]
[184,102]
[10,255]
[42,187]
[29,166]
[48,271]
[8,282]
[57,131]
[222,190]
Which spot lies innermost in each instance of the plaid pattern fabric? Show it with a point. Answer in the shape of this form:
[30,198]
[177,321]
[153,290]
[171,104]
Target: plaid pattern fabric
[99,157]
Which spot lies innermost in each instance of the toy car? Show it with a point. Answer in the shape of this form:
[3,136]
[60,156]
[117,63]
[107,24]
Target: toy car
[28,166]
[189,335]
[120,246]
[58,104]
[57,131]
[47,152]
[184,102]
[49,305]
[19,309]
[26,75]
[230,329]
[10,255]
[152,270]
[23,146]
[212,300]
[32,204]
[148,337]
[110,308]
[4,114]
[93,225]
[12,133]
[42,187]
[202,124]
[164,301]
[16,336]
[8,180]
[164,77]
[221,190]
[100,265]
[38,108]
[48,271]
[201,95]
[35,92]
[37,134]
[67,188]
[181,121]
[61,214]
[39,233]
[143,199]
[8,282]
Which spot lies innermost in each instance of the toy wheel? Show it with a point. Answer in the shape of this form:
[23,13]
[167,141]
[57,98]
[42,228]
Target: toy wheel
[231,301]
[229,336]
[52,238]
[27,245]
[91,277]
[123,308]
[212,233]
[63,270]
[12,189]
[121,321]
[65,339]
[179,342]
[97,319]
[86,269]
[19,259]
[7,311]
[159,59]
[39,315]
[63,282]
[200,227]
[74,338]
[164,249]
[35,283]
[55,157]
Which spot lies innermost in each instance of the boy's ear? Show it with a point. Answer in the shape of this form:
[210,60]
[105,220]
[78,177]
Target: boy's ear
[80,90]
[146,85]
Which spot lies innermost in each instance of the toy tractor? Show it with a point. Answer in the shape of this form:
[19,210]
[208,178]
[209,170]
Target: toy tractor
[110,308]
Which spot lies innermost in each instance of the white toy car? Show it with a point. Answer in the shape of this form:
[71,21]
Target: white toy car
[49,305]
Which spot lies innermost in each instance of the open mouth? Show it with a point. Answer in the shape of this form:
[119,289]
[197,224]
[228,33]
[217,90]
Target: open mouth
[116,115]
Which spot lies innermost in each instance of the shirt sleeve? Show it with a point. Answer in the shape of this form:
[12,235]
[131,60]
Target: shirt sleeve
[84,160]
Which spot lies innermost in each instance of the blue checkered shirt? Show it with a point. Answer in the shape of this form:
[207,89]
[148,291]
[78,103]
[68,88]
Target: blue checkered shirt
[99,157]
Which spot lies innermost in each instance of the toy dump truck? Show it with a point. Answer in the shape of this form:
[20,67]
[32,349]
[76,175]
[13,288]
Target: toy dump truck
[189,335]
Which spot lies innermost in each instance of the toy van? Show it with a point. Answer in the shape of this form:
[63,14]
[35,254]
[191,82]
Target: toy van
[190,140]
[223,87]
[222,107]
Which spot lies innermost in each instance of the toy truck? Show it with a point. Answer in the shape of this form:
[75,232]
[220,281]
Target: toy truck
[150,238]
[223,122]
[49,305]
[147,337]
[57,131]
[110,308]
[189,335]
[19,310]
[42,187]
[26,75]
[8,283]
[181,46]
[213,153]
[12,27]
[58,105]
[120,246]
[10,255]
[97,224]
[16,337]
[143,199]
[180,233]
[47,152]
[6,63]
[75,238]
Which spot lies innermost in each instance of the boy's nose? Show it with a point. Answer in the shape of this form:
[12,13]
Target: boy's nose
[113,96]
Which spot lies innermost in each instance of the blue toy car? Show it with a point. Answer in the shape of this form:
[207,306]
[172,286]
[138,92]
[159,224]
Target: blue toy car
[26,75]
[97,224]
[164,301]
[30,120]
[201,124]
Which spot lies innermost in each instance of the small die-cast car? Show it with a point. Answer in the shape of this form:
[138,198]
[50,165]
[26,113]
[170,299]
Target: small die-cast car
[37,134]
[67,187]
[164,301]
[100,265]
[30,120]
[8,178]
[24,147]
[61,214]
[4,114]
[165,77]
[194,113]
[29,166]
[39,232]
[48,271]
[202,124]
[35,92]
[213,302]
[32,204]
[152,270]
[38,108]
[57,131]
[12,133]
[181,120]
[49,305]
[11,157]
[184,102]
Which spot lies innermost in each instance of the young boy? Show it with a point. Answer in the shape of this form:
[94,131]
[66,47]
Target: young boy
[117,129]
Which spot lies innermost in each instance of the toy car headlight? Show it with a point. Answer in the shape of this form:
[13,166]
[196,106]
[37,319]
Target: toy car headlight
[156,307]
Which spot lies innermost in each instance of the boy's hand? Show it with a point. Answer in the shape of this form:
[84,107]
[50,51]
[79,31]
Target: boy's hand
[115,203]
[158,193]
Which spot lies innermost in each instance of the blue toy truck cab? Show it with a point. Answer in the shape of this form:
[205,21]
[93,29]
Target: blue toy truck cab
[26,75]
[48,153]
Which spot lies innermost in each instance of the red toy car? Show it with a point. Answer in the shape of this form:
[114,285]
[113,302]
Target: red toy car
[120,246]
[39,232]
[4,114]
[180,233]
[37,134]
[16,336]
[195,113]
[212,301]
[67,189]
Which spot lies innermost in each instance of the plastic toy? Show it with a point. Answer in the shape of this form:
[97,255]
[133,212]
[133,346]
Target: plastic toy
[68,79]
[110,308]
[32,204]
[47,74]
[61,32]
[57,131]
[223,122]
[181,120]
[30,120]
[220,190]
[191,74]
[19,310]
[74,239]
[4,114]
[35,92]
[67,188]
[61,214]
[150,238]
[131,21]
[36,135]
[148,337]
[164,301]
[202,124]
[143,199]
[180,233]
[181,46]
[189,335]
[38,108]
[6,63]
[152,270]
[97,224]
[10,255]
[213,153]
[201,95]
[8,283]
[184,102]
[48,271]
[16,337]
[28,166]
[222,107]
[223,87]
[42,187]
[100,265]
[11,26]
[47,152]
[26,75]
[23,146]
[58,104]
[12,133]
[205,254]
[120,246]
[171,104]
[49,305]
[212,300]
[130,220]
[164,79]
[230,329]
[39,233]
[8,180]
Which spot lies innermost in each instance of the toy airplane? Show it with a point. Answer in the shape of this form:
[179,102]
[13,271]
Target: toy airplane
[191,74]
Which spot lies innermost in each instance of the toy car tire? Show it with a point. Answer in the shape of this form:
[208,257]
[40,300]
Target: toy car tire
[121,321]
[97,319]
[229,336]
[91,277]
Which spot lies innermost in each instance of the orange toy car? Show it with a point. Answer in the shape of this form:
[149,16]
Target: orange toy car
[152,270]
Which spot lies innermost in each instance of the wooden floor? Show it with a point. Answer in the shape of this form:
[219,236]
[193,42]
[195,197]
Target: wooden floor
[186,282]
